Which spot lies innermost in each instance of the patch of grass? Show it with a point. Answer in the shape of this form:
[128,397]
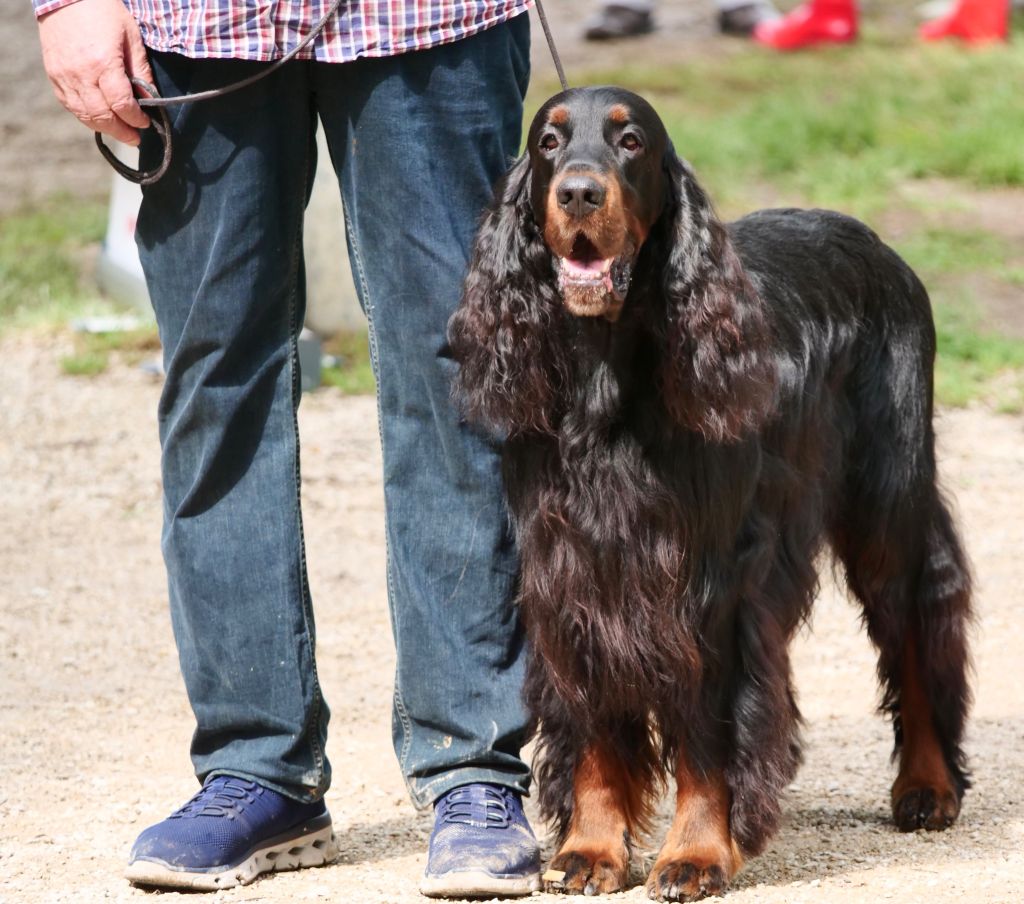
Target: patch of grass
[353,373]
[134,345]
[1013,275]
[936,251]
[93,351]
[86,364]
[972,363]
[841,127]
[973,360]
[44,257]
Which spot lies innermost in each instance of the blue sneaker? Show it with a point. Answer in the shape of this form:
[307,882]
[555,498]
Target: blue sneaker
[481,845]
[228,834]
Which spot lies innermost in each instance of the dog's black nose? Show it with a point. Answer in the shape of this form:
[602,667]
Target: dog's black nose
[580,195]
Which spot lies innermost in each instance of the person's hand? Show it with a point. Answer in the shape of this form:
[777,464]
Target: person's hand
[89,50]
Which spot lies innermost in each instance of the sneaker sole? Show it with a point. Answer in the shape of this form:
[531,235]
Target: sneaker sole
[309,849]
[476,883]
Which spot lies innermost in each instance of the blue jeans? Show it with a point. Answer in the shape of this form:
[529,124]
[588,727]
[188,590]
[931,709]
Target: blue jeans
[417,141]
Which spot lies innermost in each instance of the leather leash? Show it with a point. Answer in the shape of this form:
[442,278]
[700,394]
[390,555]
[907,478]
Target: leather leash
[551,45]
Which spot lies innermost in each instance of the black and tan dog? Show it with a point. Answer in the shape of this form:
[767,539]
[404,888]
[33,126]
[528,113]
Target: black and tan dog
[693,410]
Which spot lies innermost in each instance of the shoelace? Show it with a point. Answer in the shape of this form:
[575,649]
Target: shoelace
[479,805]
[219,797]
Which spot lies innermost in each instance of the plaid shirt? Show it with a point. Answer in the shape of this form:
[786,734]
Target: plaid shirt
[268,29]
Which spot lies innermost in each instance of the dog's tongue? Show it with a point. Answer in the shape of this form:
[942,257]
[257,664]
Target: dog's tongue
[587,268]
[584,261]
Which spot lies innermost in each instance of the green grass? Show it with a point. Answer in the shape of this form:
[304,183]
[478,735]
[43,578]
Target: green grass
[93,351]
[936,251]
[86,364]
[974,360]
[975,364]
[353,374]
[44,262]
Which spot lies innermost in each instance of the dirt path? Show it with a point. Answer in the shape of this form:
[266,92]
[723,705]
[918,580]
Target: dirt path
[94,726]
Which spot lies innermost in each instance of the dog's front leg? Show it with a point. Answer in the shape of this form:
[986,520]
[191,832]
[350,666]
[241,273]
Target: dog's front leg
[699,856]
[594,857]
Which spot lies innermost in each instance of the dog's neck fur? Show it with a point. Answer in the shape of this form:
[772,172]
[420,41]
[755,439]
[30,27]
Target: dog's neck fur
[610,362]
[600,361]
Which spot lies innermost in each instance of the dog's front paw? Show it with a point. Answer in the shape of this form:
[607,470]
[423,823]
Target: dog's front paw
[686,880]
[587,872]
[929,808]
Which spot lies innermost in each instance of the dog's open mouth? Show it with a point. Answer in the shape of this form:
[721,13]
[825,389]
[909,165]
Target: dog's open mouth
[592,285]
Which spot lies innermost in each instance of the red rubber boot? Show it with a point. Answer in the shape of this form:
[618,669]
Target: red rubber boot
[815,22]
[973,21]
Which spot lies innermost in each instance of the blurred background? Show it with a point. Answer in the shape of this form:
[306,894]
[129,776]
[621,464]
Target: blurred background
[923,141]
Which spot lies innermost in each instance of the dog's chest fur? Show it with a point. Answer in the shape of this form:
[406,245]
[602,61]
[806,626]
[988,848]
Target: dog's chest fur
[615,522]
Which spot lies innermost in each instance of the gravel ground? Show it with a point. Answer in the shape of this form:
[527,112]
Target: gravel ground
[94,726]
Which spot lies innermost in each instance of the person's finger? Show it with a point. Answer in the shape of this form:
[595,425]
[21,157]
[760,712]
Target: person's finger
[97,114]
[120,99]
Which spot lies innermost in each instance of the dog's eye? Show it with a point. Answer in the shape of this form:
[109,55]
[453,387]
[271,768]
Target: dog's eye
[549,142]
[630,142]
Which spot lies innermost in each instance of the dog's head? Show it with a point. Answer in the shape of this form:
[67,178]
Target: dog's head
[598,183]
[600,218]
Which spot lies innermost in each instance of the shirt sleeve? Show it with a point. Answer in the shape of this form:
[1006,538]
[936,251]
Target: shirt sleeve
[42,7]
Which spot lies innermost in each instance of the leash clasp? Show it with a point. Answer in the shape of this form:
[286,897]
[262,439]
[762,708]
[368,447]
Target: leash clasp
[161,124]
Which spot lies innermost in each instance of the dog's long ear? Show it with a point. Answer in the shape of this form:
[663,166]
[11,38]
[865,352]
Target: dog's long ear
[718,376]
[504,334]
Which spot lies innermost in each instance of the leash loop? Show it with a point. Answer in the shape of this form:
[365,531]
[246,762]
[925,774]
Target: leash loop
[161,124]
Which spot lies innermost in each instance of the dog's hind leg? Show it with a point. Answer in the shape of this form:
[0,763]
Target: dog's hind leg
[903,559]
[917,613]
[699,856]
[609,806]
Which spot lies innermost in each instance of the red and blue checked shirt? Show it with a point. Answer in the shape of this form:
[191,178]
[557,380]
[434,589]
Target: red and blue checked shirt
[268,29]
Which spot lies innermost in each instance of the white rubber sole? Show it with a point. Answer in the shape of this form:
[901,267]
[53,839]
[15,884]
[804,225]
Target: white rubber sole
[476,883]
[314,849]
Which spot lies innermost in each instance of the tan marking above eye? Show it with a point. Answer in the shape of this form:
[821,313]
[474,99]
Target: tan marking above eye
[619,114]
[558,116]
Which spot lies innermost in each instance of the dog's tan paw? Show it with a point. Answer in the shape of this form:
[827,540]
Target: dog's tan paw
[589,872]
[928,808]
[686,880]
